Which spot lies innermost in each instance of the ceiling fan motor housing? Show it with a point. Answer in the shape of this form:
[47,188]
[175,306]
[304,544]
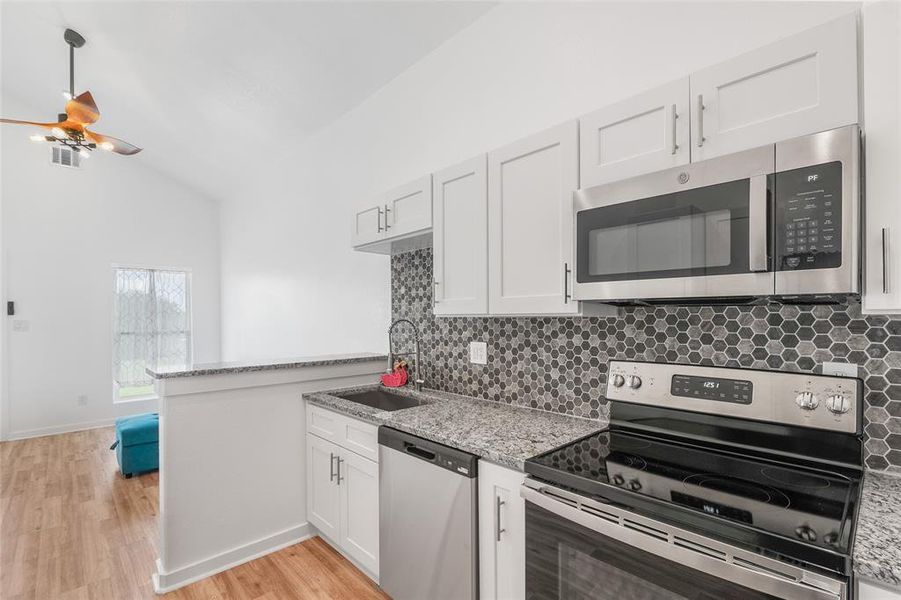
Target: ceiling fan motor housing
[73,38]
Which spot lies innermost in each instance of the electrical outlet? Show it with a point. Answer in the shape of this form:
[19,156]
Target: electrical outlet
[21,325]
[82,400]
[837,368]
[478,353]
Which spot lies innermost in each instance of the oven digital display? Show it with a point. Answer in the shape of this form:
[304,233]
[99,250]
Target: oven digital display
[712,388]
[712,508]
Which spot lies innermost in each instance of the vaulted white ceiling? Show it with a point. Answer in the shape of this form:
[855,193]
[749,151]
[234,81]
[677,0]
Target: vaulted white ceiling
[202,85]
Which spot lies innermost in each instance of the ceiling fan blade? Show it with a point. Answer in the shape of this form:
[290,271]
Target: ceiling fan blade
[112,144]
[82,109]
[17,122]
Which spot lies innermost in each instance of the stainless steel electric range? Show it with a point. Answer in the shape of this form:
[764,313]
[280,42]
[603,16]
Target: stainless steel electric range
[710,483]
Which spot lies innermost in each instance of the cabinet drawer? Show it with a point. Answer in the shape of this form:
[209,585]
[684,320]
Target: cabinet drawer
[353,434]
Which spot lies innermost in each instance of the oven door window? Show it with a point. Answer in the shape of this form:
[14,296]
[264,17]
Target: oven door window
[693,233]
[565,561]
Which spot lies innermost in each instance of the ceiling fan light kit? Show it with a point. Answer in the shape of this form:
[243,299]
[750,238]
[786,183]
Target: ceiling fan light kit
[71,130]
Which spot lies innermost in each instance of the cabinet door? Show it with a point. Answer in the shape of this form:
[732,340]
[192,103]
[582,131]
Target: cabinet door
[323,505]
[803,84]
[882,140]
[408,208]
[359,484]
[870,591]
[368,225]
[530,223]
[460,239]
[643,134]
[502,537]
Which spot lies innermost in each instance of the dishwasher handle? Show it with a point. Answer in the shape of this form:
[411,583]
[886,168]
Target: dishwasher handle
[419,452]
[445,457]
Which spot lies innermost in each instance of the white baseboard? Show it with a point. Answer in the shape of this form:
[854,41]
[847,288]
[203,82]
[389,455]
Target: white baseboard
[166,582]
[58,429]
[337,547]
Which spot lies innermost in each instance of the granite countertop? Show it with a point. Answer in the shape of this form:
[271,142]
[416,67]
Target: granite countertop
[498,432]
[877,548]
[221,368]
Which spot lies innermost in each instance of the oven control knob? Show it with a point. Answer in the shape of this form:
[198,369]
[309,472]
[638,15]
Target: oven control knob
[806,533]
[618,380]
[830,538]
[838,404]
[807,401]
[618,479]
[634,485]
[634,381]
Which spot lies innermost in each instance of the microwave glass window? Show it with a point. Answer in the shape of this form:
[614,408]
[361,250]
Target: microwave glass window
[703,231]
[694,241]
[809,218]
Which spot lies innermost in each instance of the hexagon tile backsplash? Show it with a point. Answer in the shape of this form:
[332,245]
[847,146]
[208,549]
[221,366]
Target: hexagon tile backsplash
[560,364]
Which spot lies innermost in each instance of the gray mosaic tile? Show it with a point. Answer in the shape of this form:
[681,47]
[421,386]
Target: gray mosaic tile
[560,364]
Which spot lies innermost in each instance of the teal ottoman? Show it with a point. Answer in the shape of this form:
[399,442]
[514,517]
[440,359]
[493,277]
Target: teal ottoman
[137,443]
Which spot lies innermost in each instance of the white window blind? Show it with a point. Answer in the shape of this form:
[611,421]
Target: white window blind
[151,326]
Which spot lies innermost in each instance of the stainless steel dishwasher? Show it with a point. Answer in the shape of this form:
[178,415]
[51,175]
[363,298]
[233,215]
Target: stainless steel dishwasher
[428,530]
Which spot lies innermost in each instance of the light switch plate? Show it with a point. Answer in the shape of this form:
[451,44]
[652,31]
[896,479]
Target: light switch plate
[478,353]
[842,369]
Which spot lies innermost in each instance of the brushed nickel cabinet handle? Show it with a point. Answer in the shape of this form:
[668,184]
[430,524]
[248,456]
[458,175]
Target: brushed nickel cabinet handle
[387,210]
[379,230]
[675,146]
[566,295]
[331,466]
[700,120]
[886,287]
[497,524]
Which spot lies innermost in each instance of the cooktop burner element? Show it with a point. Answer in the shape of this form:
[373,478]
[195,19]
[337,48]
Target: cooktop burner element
[793,479]
[753,475]
[744,489]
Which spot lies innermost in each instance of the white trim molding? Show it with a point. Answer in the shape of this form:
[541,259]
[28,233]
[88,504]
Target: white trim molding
[164,582]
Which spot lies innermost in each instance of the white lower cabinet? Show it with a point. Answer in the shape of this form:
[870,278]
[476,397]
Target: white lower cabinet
[870,591]
[502,534]
[343,496]
[359,514]
[322,492]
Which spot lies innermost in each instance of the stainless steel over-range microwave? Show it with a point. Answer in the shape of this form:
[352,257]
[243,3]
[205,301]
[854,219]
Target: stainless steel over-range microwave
[781,221]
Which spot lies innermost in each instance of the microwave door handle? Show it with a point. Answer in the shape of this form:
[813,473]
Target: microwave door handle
[757,224]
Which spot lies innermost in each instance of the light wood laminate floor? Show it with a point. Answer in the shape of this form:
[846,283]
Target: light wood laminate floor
[71,527]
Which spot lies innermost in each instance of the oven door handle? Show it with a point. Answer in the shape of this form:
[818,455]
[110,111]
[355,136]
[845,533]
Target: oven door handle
[686,548]
[758,233]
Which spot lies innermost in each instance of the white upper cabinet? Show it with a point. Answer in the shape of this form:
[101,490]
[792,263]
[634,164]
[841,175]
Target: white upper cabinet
[799,85]
[408,208]
[398,220]
[368,225]
[882,143]
[643,134]
[530,223]
[460,239]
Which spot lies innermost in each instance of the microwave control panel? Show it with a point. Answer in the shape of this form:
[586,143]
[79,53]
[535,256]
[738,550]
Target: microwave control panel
[808,217]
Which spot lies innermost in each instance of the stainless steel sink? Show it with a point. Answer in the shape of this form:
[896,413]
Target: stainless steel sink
[383,400]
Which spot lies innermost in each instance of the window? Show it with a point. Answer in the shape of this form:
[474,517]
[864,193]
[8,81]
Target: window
[151,327]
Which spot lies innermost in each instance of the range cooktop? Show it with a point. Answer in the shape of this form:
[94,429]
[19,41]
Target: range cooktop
[781,490]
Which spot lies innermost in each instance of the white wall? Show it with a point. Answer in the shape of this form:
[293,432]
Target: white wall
[62,230]
[291,284]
